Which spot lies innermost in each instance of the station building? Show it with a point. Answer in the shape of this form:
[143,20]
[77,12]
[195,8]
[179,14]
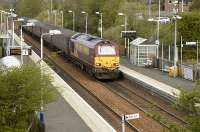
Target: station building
[142,51]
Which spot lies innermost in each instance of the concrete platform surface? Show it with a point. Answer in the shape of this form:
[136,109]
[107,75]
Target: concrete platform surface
[160,76]
[157,87]
[70,113]
[61,117]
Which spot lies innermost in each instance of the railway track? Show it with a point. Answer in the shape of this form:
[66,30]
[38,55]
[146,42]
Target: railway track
[107,102]
[87,94]
[73,82]
[152,109]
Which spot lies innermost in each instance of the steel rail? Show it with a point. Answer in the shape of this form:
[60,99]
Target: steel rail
[37,50]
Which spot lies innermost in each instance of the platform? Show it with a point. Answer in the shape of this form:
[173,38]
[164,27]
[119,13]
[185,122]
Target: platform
[156,80]
[61,117]
[70,113]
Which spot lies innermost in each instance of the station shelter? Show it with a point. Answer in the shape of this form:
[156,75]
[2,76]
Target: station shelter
[1,47]
[142,51]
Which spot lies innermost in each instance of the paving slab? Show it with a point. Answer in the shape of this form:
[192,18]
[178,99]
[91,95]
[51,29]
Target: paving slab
[70,113]
[158,75]
[61,117]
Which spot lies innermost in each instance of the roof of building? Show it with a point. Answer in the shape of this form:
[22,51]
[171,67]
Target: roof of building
[10,61]
[138,41]
[141,41]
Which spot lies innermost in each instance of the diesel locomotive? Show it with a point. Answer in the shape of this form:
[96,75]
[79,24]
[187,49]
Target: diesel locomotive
[97,56]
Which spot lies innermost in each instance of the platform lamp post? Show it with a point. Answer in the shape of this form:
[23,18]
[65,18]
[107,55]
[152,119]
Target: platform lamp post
[12,15]
[73,15]
[157,39]
[30,24]
[125,29]
[62,18]
[51,33]
[7,14]
[13,26]
[13,30]
[174,19]
[51,6]
[12,10]
[48,12]
[158,29]
[182,2]
[3,14]
[101,22]
[1,19]
[149,7]
[158,25]
[55,17]
[86,21]
[1,11]
[18,20]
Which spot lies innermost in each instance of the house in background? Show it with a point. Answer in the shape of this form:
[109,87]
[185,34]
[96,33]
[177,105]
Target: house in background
[170,5]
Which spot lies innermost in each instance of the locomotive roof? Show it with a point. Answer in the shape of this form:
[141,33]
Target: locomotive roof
[88,40]
[65,32]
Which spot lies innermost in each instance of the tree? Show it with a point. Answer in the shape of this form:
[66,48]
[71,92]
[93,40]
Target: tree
[90,6]
[29,8]
[189,26]
[21,92]
[137,18]
[195,5]
[188,102]
[167,33]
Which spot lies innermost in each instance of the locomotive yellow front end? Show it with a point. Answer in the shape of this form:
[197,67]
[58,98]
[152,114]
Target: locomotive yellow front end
[106,61]
[107,64]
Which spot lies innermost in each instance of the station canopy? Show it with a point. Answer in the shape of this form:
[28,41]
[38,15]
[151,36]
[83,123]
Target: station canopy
[142,51]
[10,61]
[138,41]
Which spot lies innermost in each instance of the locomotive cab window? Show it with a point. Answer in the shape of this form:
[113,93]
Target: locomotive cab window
[72,47]
[106,50]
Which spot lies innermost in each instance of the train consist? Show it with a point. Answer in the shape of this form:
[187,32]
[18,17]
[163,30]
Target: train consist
[98,57]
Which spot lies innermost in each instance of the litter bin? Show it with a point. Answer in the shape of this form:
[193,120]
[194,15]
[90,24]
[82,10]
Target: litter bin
[173,71]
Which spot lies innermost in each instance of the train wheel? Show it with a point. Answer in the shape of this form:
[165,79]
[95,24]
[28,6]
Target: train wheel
[89,71]
[82,67]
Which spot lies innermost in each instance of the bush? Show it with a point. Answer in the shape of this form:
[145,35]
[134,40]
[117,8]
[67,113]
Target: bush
[21,91]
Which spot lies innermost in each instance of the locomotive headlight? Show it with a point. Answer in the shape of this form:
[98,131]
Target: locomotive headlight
[116,64]
[98,64]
